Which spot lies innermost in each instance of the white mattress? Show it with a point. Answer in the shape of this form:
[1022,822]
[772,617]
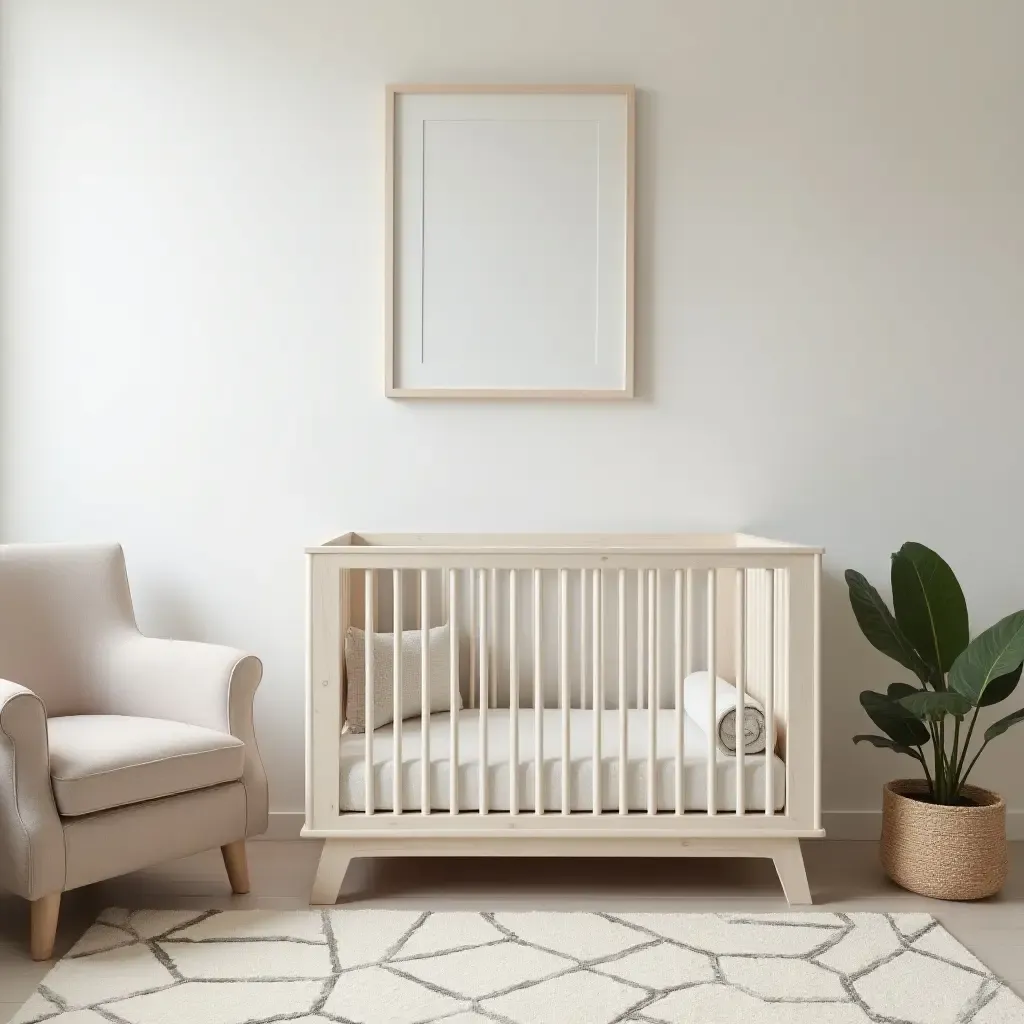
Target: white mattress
[581,724]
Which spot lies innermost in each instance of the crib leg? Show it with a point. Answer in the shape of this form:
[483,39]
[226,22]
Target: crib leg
[789,863]
[330,875]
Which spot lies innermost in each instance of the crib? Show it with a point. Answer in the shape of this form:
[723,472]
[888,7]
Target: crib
[548,684]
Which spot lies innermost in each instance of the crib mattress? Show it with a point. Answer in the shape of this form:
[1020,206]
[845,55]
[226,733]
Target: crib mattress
[581,725]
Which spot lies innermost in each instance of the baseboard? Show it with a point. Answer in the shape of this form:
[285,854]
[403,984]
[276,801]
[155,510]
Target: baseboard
[868,824]
[284,825]
[852,824]
[838,824]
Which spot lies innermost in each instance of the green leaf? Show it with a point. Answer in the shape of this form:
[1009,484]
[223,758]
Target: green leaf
[884,741]
[930,607]
[894,720]
[897,690]
[935,706]
[878,625]
[1001,688]
[996,652]
[998,728]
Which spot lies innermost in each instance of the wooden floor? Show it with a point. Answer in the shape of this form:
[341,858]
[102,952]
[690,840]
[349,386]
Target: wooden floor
[843,875]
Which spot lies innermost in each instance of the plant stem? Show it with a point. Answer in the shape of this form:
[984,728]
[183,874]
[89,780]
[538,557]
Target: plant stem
[974,760]
[967,743]
[947,782]
[954,781]
[937,785]
[927,774]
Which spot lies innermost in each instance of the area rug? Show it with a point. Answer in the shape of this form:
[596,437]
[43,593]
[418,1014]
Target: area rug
[407,967]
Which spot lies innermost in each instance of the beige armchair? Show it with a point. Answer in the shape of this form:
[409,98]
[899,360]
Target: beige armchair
[117,751]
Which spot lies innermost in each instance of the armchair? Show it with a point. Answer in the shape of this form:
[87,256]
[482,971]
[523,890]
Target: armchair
[117,751]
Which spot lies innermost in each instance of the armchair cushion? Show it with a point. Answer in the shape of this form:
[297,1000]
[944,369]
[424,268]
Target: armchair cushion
[98,762]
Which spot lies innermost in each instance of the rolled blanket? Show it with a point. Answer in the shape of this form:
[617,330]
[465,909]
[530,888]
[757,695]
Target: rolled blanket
[695,701]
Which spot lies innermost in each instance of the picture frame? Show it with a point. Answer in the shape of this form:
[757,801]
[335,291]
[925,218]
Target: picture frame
[509,241]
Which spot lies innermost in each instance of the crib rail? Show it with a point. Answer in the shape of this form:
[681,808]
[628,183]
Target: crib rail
[603,624]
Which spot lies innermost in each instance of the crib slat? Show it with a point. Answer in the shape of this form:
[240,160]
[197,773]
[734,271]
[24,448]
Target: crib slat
[471,597]
[769,696]
[424,691]
[453,690]
[538,698]
[396,732]
[484,690]
[640,631]
[583,638]
[740,621]
[597,579]
[346,612]
[563,678]
[513,685]
[710,727]
[816,682]
[691,624]
[653,674]
[677,666]
[689,640]
[623,699]
[492,642]
[368,627]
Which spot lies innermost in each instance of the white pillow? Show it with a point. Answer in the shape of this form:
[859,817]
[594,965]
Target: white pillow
[438,684]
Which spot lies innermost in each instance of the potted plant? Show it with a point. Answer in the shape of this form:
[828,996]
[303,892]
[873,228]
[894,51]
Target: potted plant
[940,836]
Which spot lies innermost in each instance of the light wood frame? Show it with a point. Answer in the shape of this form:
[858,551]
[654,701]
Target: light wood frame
[783,851]
[391,388]
[791,659]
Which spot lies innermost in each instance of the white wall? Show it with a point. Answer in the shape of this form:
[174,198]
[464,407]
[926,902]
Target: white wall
[831,303]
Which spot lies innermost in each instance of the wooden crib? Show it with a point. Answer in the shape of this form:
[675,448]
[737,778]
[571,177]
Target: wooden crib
[564,731]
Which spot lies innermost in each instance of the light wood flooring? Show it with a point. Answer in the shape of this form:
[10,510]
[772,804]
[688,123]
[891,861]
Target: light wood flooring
[843,876]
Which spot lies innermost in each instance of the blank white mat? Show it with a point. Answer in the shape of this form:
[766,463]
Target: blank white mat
[509,235]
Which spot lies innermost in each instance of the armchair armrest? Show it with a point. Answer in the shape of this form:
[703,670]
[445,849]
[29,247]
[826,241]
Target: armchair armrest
[31,835]
[200,684]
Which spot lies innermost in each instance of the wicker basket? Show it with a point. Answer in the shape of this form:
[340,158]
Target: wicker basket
[949,853]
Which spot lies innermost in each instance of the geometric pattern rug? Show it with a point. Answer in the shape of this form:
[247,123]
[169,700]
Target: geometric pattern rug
[409,967]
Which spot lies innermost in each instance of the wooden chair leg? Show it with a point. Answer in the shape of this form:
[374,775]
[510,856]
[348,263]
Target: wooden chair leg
[43,929]
[237,865]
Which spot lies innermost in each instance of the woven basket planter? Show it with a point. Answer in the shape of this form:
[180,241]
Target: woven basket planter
[948,853]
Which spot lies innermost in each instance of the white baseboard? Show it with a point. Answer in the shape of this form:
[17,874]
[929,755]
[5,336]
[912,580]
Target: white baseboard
[852,824]
[838,824]
[284,825]
[868,824]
